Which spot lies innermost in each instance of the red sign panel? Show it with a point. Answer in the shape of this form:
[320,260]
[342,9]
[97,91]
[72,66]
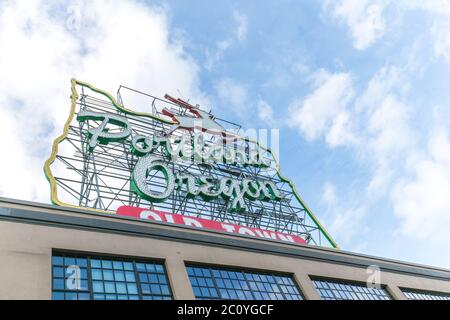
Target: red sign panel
[201,223]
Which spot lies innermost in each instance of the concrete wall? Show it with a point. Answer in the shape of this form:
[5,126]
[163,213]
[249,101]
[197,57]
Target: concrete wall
[26,249]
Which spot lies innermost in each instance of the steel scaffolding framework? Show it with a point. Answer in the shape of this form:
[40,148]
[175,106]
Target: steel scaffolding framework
[100,178]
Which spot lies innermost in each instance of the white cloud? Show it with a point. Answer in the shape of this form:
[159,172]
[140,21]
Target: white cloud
[265,111]
[385,129]
[364,19]
[386,80]
[388,127]
[45,43]
[422,202]
[325,110]
[414,179]
[374,125]
[233,94]
[441,34]
[239,35]
[436,7]
[388,124]
[343,217]
[368,21]
[241,22]
[329,196]
[340,133]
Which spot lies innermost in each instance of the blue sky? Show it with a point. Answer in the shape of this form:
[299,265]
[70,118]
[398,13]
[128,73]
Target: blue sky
[286,42]
[360,91]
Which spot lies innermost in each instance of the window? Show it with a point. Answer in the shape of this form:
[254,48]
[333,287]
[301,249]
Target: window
[217,283]
[340,290]
[76,277]
[425,295]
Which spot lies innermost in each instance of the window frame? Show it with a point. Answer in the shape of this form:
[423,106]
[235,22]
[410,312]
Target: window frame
[257,275]
[427,294]
[134,260]
[334,285]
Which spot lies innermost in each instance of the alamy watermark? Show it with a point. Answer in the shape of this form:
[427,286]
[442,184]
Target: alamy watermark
[73,281]
[374,277]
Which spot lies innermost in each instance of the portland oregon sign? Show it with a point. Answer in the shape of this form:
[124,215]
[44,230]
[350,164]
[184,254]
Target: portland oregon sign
[176,164]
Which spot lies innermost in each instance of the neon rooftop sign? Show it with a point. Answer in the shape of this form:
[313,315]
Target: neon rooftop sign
[176,161]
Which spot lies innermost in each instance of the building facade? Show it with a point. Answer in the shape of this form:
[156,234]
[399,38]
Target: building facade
[170,204]
[51,252]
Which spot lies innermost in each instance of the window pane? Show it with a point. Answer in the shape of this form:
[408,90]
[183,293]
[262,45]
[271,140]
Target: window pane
[98,286]
[108,275]
[107,278]
[216,283]
[57,295]
[58,284]
[97,274]
[57,261]
[58,272]
[338,290]
[96,264]
[425,295]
